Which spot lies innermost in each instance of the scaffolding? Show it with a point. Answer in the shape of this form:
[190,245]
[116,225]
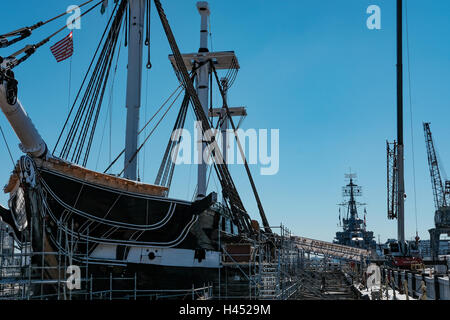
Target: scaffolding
[24,275]
[266,267]
[268,270]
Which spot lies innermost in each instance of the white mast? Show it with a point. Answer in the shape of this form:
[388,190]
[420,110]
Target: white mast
[203,90]
[134,85]
[223,60]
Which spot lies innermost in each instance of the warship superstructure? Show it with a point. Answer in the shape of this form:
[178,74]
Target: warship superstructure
[354,232]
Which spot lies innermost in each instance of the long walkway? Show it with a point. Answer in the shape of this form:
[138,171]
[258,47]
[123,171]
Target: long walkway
[327,285]
[330,249]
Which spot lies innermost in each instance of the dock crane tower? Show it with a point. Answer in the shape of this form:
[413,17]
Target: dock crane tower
[401,252]
[395,150]
[441,193]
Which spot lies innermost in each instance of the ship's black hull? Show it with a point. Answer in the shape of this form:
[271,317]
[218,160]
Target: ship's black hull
[151,279]
[164,243]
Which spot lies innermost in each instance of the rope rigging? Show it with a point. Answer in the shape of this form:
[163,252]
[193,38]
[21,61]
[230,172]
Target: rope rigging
[84,80]
[239,215]
[148,122]
[231,73]
[79,139]
[149,135]
[147,31]
[165,173]
[247,169]
[25,32]
[12,61]
[109,112]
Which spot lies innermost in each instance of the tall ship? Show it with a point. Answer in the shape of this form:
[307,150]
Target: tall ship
[354,232]
[111,223]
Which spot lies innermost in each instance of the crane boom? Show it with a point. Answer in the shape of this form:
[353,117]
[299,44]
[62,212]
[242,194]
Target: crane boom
[439,189]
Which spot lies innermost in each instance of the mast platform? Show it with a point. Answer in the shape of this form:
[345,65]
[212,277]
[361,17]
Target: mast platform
[222,60]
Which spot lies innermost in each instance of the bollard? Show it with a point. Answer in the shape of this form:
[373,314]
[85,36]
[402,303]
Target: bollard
[405,286]
[423,288]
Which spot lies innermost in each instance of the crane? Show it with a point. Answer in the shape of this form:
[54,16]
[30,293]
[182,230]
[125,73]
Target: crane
[441,192]
[441,188]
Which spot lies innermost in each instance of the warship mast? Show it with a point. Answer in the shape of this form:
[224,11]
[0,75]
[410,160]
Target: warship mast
[355,233]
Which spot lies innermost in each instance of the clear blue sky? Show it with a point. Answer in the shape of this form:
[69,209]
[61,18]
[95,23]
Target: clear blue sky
[309,68]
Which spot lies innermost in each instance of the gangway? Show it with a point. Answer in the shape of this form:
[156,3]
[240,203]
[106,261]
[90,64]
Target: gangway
[331,249]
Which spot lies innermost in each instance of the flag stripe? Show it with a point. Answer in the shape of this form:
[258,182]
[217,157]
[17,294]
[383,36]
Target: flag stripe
[62,53]
[63,57]
[63,49]
[59,48]
[66,54]
[61,43]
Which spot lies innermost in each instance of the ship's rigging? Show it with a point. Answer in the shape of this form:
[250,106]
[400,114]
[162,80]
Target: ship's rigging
[80,126]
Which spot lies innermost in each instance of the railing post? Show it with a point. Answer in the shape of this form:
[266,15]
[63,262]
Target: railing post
[135,285]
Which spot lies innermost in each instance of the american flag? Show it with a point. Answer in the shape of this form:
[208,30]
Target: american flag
[63,49]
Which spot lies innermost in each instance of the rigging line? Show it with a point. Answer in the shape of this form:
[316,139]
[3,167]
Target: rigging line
[7,146]
[63,14]
[240,215]
[91,92]
[149,135]
[104,66]
[216,132]
[126,26]
[117,33]
[411,113]
[70,82]
[156,113]
[145,117]
[147,40]
[175,137]
[110,107]
[91,96]
[209,176]
[247,169]
[165,102]
[77,18]
[210,33]
[85,77]
[31,49]
[37,25]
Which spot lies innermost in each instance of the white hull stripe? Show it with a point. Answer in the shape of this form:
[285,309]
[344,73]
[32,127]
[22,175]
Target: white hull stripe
[170,257]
